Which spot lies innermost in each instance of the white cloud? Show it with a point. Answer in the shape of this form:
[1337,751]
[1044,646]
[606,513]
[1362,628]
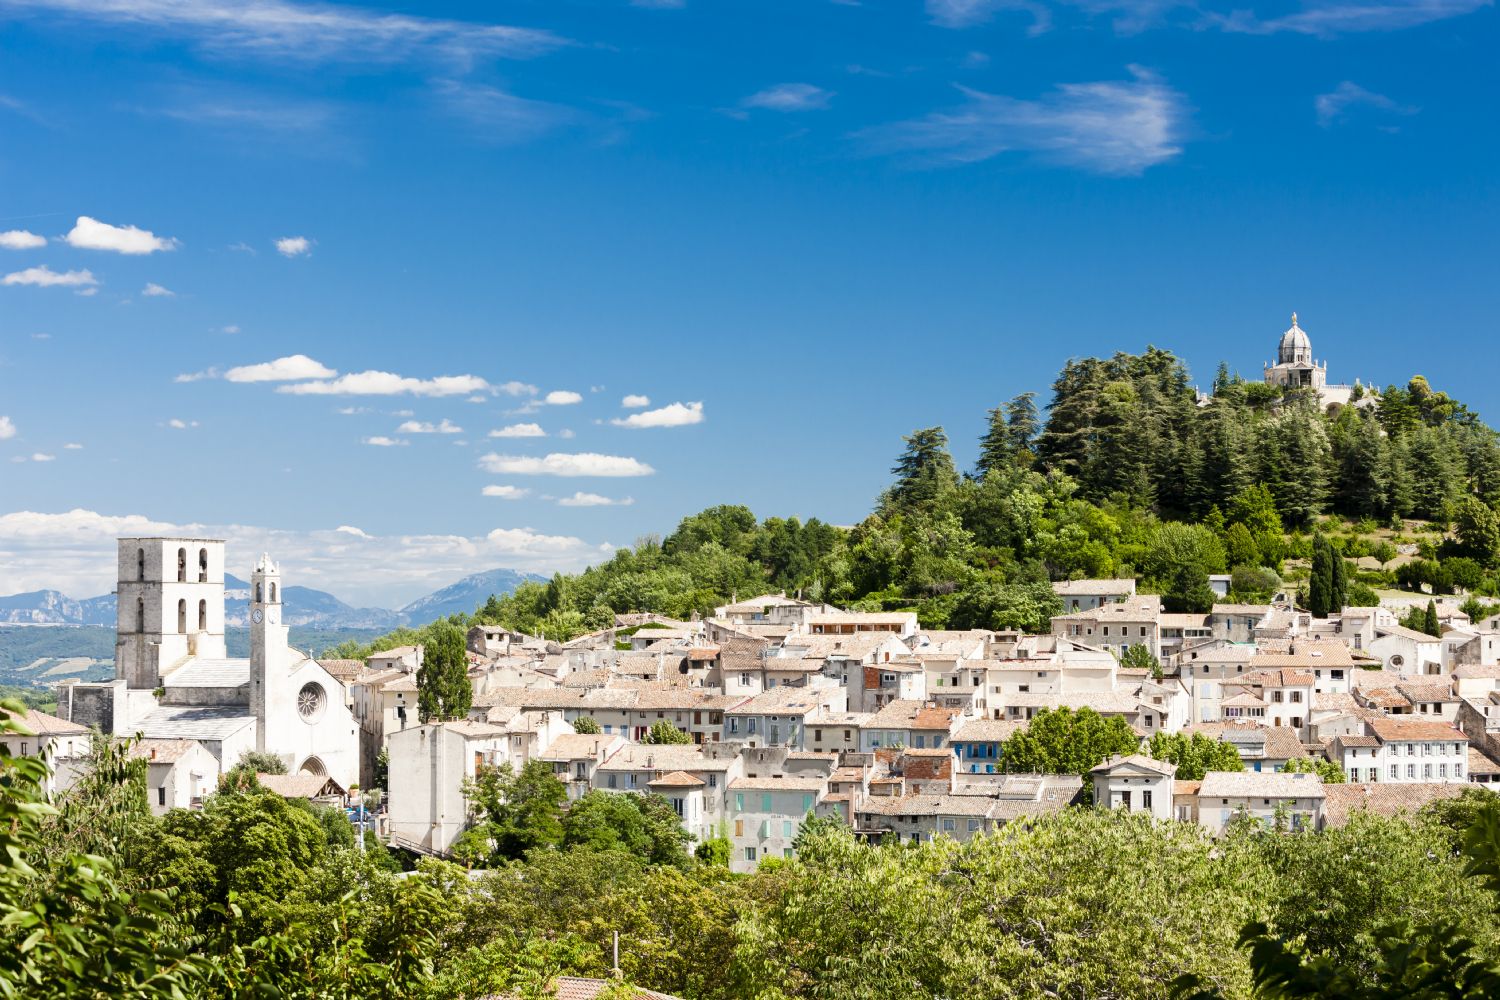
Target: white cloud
[197,376]
[91,234]
[242,247]
[376,383]
[88,292]
[519,431]
[231,328]
[294,246]
[178,424]
[381,441]
[635,402]
[561,464]
[1334,106]
[20,239]
[1114,127]
[419,427]
[351,530]
[153,290]
[73,446]
[581,499]
[42,457]
[277,29]
[672,415]
[789,97]
[566,434]
[75,552]
[562,397]
[45,277]
[506,492]
[1347,17]
[7,429]
[517,389]
[291,368]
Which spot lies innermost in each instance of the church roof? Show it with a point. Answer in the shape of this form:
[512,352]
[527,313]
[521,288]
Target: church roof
[194,722]
[204,673]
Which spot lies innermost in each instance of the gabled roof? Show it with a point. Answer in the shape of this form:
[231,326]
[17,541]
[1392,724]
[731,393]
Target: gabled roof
[43,724]
[676,779]
[1261,784]
[1136,762]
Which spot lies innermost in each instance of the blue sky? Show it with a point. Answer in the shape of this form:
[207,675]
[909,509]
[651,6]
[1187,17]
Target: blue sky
[812,226]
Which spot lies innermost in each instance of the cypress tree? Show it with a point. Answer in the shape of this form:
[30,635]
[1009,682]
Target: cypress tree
[443,688]
[1320,584]
[1430,625]
[1339,584]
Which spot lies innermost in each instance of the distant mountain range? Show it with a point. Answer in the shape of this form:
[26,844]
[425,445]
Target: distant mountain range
[302,606]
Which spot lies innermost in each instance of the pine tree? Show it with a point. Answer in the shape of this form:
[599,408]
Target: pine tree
[995,447]
[924,472]
[443,688]
[1430,623]
[1022,422]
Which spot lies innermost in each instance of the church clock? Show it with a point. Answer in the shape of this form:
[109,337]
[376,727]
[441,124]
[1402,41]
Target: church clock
[256,616]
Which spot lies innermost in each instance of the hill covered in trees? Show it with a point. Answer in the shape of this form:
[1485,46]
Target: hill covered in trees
[1129,473]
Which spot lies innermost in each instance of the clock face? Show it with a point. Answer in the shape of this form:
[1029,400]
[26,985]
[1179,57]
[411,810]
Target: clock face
[256,616]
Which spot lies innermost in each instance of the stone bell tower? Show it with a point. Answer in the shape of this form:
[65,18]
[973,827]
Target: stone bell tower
[169,605]
[268,643]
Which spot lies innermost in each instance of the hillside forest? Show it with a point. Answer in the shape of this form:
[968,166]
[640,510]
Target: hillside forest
[1130,473]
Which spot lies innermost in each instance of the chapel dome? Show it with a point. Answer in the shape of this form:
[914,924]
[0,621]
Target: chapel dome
[1296,348]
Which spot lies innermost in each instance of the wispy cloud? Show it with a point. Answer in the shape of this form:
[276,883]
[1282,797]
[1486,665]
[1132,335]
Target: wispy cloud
[498,115]
[7,429]
[671,415]
[1327,20]
[789,97]
[381,441]
[155,291]
[581,499]
[377,383]
[178,424]
[45,277]
[446,426]
[506,492]
[20,239]
[519,431]
[274,29]
[517,388]
[1117,127]
[294,246]
[39,456]
[287,369]
[91,234]
[1335,105]
[559,464]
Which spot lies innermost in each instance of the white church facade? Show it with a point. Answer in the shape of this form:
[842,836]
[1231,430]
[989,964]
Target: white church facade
[174,679]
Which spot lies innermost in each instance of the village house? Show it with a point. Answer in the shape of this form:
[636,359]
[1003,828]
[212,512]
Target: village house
[1294,799]
[180,774]
[1086,595]
[1117,626]
[1135,783]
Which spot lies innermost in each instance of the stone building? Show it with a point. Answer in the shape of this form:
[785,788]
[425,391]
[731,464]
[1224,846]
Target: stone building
[174,680]
[1295,368]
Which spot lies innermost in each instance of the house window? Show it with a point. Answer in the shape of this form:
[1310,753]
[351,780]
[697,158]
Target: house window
[1146,799]
[949,824]
[786,828]
[749,854]
[161,795]
[973,825]
[765,802]
[613,781]
[1395,772]
[1411,770]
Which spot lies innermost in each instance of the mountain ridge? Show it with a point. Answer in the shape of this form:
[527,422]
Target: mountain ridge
[302,606]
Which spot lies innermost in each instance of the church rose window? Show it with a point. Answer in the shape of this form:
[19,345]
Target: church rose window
[310,702]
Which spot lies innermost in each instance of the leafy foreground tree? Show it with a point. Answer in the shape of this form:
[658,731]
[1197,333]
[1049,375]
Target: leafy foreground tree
[1437,960]
[1326,769]
[85,935]
[518,812]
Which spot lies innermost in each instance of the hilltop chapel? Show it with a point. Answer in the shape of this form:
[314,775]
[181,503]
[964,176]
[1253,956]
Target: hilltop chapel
[175,681]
